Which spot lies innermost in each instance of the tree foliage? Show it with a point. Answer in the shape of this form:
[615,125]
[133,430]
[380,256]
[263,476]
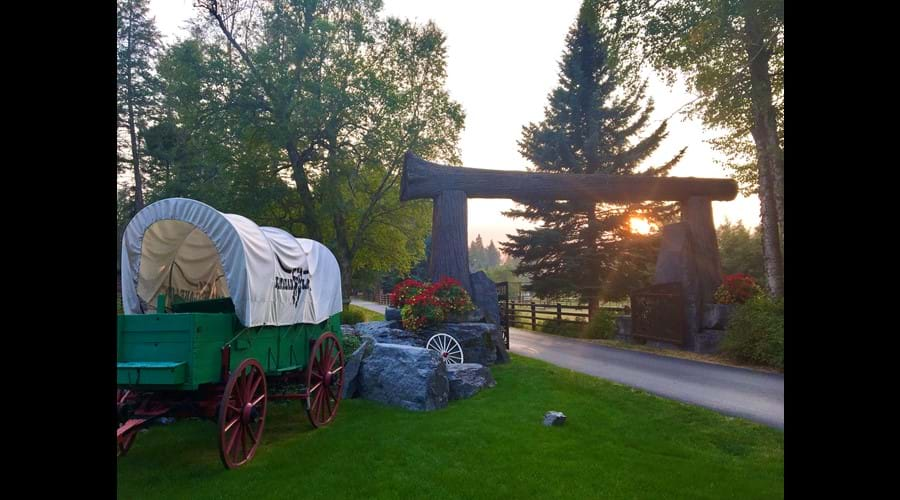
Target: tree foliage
[137,88]
[297,114]
[731,53]
[741,250]
[593,124]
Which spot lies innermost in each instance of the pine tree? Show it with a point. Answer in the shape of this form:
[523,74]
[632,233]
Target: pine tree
[591,125]
[138,41]
[492,256]
[477,255]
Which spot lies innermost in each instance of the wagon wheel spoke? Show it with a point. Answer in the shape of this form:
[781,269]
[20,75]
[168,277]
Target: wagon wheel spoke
[251,434]
[243,433]
[231,424]
[231,442]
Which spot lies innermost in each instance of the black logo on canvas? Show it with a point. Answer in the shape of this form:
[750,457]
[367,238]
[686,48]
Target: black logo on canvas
[298,281]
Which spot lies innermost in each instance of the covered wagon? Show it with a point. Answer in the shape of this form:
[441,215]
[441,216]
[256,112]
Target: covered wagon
[220,316]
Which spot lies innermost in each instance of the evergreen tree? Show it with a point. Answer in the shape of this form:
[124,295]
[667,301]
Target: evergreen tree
[591,125]
[491,256]
[138,42]
[477,255]
[741,250]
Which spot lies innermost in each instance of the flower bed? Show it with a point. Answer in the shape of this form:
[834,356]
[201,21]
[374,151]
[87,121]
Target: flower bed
[422,304]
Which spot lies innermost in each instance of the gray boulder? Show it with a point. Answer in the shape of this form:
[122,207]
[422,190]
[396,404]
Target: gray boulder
[474,316]
[708,341]
[392,314]
[466,379]
[554,418]
[484,295]
[352,365]
[479,341]
[716,316]
[409,377]
[390,332]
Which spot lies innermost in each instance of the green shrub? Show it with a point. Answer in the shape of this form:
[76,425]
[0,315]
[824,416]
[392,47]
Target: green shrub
[602,325]
[756,332]
[351,343]
[352,316]
[562,328]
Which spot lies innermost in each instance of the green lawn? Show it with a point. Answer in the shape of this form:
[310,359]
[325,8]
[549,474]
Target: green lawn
[366,314]
[618,443]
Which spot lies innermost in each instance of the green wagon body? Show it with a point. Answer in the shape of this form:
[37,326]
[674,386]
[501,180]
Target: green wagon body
[183,350]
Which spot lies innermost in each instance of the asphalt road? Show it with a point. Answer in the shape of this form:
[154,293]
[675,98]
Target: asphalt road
[738,392]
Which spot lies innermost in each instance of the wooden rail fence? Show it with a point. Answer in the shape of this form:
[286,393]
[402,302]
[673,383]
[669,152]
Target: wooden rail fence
[527,314]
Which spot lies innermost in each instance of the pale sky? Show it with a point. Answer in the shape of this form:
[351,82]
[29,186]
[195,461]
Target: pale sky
[502,62]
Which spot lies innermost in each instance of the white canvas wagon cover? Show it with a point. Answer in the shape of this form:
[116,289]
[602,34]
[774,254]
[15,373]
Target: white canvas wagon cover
[185,248]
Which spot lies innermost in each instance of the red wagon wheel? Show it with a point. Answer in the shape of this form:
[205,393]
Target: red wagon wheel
[125,442]
[324,380]
[242,414]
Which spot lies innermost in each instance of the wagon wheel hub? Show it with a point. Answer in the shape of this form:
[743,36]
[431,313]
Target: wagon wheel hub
[329,375]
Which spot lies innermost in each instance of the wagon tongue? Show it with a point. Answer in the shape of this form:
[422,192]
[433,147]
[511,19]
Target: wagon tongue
[138,421]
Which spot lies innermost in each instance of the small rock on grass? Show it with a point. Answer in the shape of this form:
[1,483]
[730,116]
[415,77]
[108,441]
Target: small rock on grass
[554,418]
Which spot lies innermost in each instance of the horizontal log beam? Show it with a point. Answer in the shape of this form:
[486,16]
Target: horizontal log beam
[423,179]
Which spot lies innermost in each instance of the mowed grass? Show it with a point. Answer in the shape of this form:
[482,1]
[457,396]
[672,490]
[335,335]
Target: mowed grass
[366,314]
[618,442]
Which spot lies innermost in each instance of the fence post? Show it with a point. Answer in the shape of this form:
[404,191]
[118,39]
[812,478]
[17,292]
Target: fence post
[512,314]
[533,317]
[558,311]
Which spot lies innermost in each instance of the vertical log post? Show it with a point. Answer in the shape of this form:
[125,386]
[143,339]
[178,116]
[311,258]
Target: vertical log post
[696,212]
[533,318]
[449,238]
[558,311]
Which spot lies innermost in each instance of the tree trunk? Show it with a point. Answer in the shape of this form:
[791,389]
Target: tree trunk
[309,216]
[345,253]
[449,236]
[135,160]
[132,132]
[770,158]
[346,266]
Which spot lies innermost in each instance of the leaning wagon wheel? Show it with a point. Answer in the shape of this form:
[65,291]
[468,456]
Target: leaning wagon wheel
[125,442]
[324,380]
[242,414]
[447,346]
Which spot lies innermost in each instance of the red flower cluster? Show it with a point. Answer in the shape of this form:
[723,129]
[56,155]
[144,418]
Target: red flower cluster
[421,304]
[405,291]
[736,289]
[450,294]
